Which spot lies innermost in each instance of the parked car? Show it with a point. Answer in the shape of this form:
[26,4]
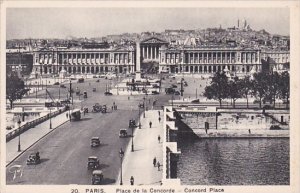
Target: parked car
[95,142]
[155,92]
[62,86]
[56,83]
[93,162]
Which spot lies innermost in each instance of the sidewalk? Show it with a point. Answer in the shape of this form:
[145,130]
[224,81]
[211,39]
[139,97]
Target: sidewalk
[139,163]
[31,136]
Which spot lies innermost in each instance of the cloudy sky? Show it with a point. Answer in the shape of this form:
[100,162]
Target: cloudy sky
[97,22]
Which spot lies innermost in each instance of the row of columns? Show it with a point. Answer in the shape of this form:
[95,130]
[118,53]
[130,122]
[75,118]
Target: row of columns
[212,57]
[75,58]
[84,69]
[213,68]
[150,51]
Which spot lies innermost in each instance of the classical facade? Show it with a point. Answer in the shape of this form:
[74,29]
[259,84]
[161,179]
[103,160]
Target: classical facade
[169,59]
[82,61]
[209,60]
[150,49]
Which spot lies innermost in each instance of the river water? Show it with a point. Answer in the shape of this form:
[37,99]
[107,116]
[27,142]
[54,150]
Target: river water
[234,162]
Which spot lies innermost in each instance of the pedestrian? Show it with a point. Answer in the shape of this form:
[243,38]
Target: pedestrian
[116,107]
[154,161]
[249,131]
[158,166]
[158,138]
[128,98]
[150,124]
[159,119]
[206,130]
[132,180]
[158,113]
[112,108]
[67,115]
[114,103]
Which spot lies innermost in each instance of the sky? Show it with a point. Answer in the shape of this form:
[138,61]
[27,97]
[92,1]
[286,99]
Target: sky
[97,22]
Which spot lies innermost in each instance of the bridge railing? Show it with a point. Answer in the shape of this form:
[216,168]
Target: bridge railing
[19,130]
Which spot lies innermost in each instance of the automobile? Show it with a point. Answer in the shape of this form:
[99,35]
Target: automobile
[174,86]
[84,94]
[155,92]
[123,133]
[93,162]
[108,93]
[98,80]
[176,92]
[94,89]
[102,76]
[185,83]
[73,78]
[275,127]
[62,86]
[169,90]
[95,142]
[104,109]
[267,107]
[155,86]
[97,108]
[97,177]
[33,159]
[94,76]
[75,115]
[80,80]
[56,83]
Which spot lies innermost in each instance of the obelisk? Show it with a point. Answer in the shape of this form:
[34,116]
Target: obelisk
[138,62]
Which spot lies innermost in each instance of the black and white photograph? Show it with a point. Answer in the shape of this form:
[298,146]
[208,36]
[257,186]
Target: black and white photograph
[152,96]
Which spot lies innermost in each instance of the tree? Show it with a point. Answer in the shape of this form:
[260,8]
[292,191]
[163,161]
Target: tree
[274,84]
[218,88]
[260,86]
[245,86]
[15,87]
[284,87]
[234,90]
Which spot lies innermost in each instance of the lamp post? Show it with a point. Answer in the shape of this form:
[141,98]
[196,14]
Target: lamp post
[50,126]
[139,117]
[144,107]
[131,125]
[19,144]
[121,154]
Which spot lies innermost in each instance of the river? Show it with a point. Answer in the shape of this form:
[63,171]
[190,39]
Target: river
[234,162]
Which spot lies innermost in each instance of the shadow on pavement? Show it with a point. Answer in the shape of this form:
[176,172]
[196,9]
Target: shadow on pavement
[138,149]
[108,181]
[102,166]
[85,119]
[44,160]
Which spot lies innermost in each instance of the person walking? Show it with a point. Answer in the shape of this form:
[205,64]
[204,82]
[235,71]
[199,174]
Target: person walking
[158,166]
[150,124]
[67,115]
[132,181]
[159,119]
[249,131]
[158,113]
[154,161]
[158,138]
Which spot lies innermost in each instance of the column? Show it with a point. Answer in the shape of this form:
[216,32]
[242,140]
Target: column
[154,52]
[230,57]
[151,56]
[147,51]
[143,50]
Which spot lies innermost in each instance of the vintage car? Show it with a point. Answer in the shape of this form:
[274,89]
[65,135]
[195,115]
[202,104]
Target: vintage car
[97,177]
[108,93]
[33,159]
[93,163]
[97,108]
[123,133]
[103,109]
[94,89]
[75,115]
[95,142]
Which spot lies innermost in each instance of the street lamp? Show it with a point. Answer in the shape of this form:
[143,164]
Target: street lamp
[144,106]
[131,125]
[19,144]
[121,154]
[50,126]
[139,117]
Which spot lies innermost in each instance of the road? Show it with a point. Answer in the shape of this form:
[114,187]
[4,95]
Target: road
[64,152]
